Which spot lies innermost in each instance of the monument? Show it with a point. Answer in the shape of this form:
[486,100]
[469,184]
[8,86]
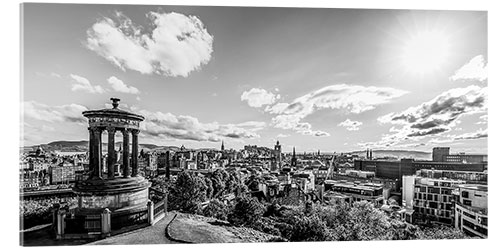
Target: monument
[118,197]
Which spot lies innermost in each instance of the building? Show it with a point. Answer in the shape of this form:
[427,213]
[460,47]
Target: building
[305,180]
[433,199]
[397,169]
[293,161]
[471,209]
[442,154]
[468,176]
[359,191]
[438,153]
[360,174]
[335,198]
[62,174]
[276,157]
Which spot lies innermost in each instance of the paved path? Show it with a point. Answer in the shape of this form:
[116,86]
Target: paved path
[148,235]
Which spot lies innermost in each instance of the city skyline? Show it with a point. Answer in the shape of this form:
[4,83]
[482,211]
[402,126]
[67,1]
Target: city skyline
[327,79]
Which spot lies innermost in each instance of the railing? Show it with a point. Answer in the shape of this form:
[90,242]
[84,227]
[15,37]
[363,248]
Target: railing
[122,220]
[159,209]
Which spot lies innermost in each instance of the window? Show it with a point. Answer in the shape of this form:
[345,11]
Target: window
[433,204]
[467,202]
[465,194]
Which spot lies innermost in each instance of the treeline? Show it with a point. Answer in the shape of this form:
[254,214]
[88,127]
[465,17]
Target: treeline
[342,222]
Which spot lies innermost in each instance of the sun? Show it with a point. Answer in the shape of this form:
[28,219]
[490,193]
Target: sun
[425,52]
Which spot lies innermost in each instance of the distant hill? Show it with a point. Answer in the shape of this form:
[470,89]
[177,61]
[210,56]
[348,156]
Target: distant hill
[399,154]
[81,146]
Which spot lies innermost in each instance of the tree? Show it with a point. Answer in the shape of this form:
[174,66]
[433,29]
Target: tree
[218,183]
[309,228]
[210,189]
[247,211]
[216,209]
[188,193]
[440,232]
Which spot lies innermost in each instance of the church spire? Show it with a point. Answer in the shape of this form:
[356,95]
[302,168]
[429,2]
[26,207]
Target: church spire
[222,146]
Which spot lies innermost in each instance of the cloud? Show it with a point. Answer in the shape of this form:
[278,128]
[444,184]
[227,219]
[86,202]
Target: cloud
[167,125]
[481,133]
[441,112]
[55,75]
[350,125]
[174,45]
[283,135]
[484,119]
[475,69]
[348,98]
[81,83]
[434,117]
[63,113]
[259,97]
[119,86]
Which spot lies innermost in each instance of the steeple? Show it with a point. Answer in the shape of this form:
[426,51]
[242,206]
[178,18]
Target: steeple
[294,159]
[222,146]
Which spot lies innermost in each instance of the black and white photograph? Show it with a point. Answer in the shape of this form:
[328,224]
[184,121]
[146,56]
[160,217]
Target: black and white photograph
[147,124]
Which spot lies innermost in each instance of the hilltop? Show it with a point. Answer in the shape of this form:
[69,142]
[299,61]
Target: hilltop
[399,154]
[82,146]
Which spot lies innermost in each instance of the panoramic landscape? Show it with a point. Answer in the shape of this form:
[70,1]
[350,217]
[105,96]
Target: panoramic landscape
[147,124]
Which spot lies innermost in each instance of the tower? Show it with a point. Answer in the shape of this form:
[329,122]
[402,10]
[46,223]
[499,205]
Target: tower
[276,162]
[294,159]
[222,146]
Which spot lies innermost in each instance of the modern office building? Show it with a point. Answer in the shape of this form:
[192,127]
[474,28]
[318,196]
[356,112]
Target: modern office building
[397,169]
[433,199]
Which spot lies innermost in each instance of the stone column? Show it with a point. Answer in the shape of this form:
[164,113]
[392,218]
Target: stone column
[111,152]
[135,152]
[106,222]
[95,153]
[126,146]
[92,167]
[151,212]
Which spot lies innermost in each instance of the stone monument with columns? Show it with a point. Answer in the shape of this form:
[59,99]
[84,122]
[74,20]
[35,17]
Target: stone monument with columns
[120,189]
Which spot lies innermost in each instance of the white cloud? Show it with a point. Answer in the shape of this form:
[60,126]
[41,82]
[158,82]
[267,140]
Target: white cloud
[119,86]
[175,44]
[168,126]
[55,75]
[434,117]
[350,125]
[348,98]
[475,69]
[259,97]
[483,119]
[63,113]
[283,135]
[81,83]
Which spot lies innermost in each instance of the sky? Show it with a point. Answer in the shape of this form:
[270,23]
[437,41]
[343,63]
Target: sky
[327,79]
